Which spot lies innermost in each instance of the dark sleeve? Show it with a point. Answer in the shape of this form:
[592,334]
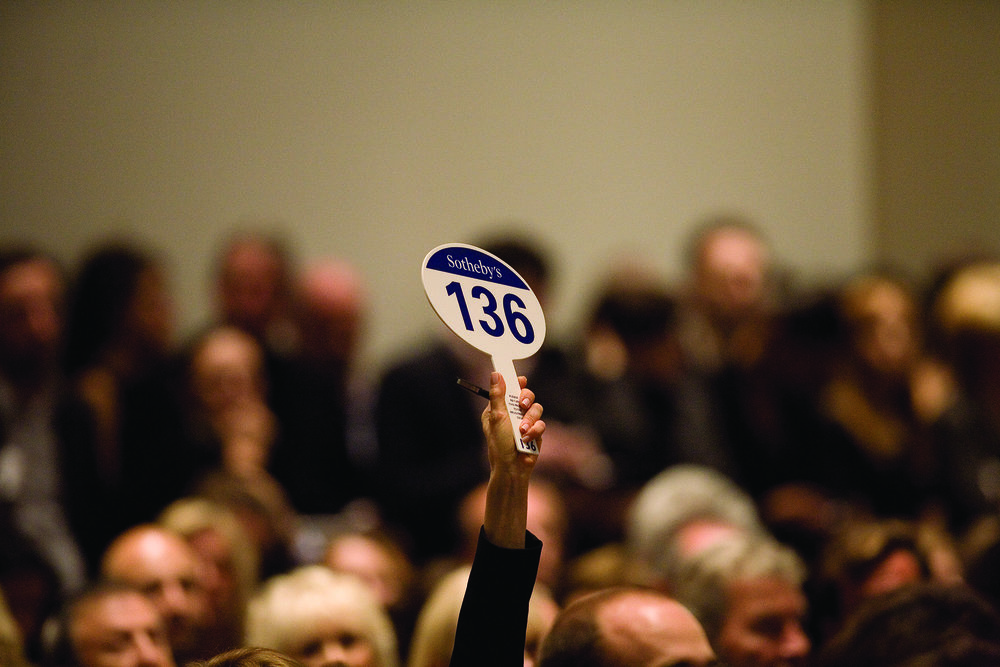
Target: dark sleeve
[494,616]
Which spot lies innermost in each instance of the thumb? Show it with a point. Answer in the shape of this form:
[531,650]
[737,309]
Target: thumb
[498,396]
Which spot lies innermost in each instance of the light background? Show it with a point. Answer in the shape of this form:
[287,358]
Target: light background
[375,131]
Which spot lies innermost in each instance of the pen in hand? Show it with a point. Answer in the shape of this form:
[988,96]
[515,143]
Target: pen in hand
[478,391]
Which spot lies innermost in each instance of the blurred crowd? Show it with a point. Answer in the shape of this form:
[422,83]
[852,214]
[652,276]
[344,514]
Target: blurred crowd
[779,459]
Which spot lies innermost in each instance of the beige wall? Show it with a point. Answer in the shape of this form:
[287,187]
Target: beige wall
[937,105]
[377,130]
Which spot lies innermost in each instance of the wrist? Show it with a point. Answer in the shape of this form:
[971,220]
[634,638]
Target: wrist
[506,515]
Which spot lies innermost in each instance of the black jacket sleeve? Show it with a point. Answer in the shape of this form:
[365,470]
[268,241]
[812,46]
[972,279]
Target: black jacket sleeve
[494,616]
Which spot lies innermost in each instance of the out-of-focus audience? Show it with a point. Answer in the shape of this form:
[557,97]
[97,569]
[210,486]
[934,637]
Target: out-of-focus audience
[48,480]
[253,287]
[805,469]
[729,294]
[250,657]
[11,642]
[327,453]
[118,357]
[681,512]
[965,315]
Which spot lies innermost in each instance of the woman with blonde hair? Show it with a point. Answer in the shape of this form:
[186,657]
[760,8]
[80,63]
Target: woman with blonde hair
[318,617]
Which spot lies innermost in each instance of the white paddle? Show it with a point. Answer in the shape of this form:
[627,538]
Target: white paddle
[489,306]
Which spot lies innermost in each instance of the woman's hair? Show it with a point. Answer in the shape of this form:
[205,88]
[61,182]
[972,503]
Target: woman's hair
[287,604]
[434,635]
[861,545]
[100,299]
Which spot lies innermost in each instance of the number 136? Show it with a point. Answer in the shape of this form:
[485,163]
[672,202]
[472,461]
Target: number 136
[518,324]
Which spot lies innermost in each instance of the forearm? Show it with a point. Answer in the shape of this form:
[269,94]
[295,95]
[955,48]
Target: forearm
[491,626]
[506,517]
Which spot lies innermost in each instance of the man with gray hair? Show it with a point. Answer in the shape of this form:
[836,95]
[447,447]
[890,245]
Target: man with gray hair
[747,593]
[682,511]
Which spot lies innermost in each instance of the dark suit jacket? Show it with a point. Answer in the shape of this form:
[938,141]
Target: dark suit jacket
[494,616]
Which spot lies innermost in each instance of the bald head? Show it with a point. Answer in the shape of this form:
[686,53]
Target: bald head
[647,629]
[144,551]
[626,627]
[164,567]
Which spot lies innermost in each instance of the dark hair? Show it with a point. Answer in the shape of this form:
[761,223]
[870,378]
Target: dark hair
[638,313]
[14,255]
[926,624]
[101,296]
[520,254]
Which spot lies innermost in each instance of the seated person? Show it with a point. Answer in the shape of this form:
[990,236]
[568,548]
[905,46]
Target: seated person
[626,627]
[110,624]
[747,593]
[320,618]
[162,565]
[380,561]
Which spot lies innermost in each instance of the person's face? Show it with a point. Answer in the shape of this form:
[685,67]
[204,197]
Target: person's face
[371,563]
[120,630]
[250,287]
[30,313]
[885,323]
[900,568]
[150,316]
[732,273]
[337,641]
[217,567]
[168,572]
[227,371]
[330,314]
[642,630]
[547,521]
[763,626]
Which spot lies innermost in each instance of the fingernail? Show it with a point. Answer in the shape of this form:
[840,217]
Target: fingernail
[524,427]
[494,377]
